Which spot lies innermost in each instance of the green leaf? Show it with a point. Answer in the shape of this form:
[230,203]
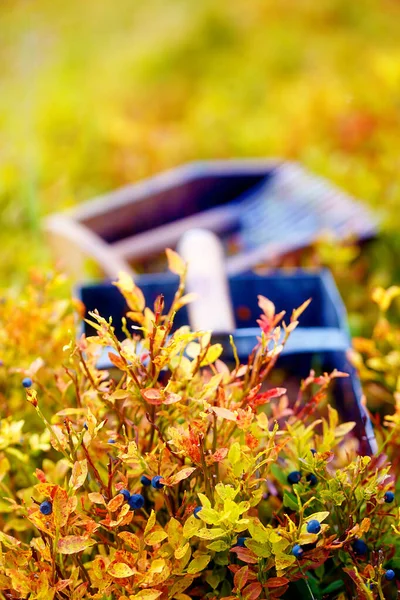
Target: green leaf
[335,586]
[290,501]
[234,453]
[209,516]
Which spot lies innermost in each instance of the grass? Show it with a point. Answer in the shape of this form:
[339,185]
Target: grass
[96,94]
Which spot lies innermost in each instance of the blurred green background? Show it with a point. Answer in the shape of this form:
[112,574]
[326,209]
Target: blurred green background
[94,94]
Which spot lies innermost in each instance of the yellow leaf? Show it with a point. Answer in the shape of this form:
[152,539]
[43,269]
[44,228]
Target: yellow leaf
[198,564]
[120,570]
[175,263]
[180,552]
[79,474]
[71,544]
[213,353]
[60,508]
[116,502]
[150,523]
[318,516]
[181,475]
[149,594]
[224,413]
[155,537]
[344,429]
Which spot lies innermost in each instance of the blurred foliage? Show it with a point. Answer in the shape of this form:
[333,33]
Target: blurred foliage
[96,94]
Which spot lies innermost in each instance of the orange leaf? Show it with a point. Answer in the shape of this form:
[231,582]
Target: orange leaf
[79,474]
[180,476]
[171,398]
[252,591]
[115,503]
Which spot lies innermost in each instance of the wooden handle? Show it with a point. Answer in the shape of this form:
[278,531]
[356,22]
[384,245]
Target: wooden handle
[73,244]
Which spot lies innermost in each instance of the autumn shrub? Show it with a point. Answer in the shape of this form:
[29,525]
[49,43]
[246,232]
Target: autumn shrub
[175,475]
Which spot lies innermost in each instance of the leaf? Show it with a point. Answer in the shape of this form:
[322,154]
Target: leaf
[60,508]
[224,413]
[180,476]
[96,498]
[150,523]
[120,570]
[290,502]
[252,591]
[175,263]
[241,577]
[198,564]
[130,539]
[234,454]
[152,396]
[209,516]
[115,503]
[344,429]
[318,516]
[276,582]
[245,555]
[212,354]
[210,534]
[72,544]
[181,551]
[171,398]
[218,546]
[79,474]
[155,537]
[191,527]
[149,594]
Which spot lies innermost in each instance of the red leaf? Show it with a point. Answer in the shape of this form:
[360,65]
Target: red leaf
[245,555]
[240,578]
[276,582]
[252,591]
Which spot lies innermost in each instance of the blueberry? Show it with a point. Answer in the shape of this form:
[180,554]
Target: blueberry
[136,501]
[294,477]
[196,511]
[145,480]
[27,382]
[313,526]
[313,451]
[46,508]
[85,426]
[312,479]
[389,497]
[156,482]
[297,551]
[241,542]
[126,494]
[110,441]
[390,574]
[360,547]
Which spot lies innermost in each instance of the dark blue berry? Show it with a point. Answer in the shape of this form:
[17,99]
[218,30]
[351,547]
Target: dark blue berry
[110,441]
[27,382]
[389,497]
[46,508]
[297,551]
[126,494]
[294,477]
[312,479]
[313,526]
[156,482]
[241,542]
[313,451]
[360,547]
[145,480]
[85,426]
[196,511]
[390,574]
[136,501]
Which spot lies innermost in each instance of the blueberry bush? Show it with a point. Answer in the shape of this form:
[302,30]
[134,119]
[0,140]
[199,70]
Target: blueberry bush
[176,475]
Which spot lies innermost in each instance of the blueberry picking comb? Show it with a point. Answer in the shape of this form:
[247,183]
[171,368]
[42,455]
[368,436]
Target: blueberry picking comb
[261,209]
